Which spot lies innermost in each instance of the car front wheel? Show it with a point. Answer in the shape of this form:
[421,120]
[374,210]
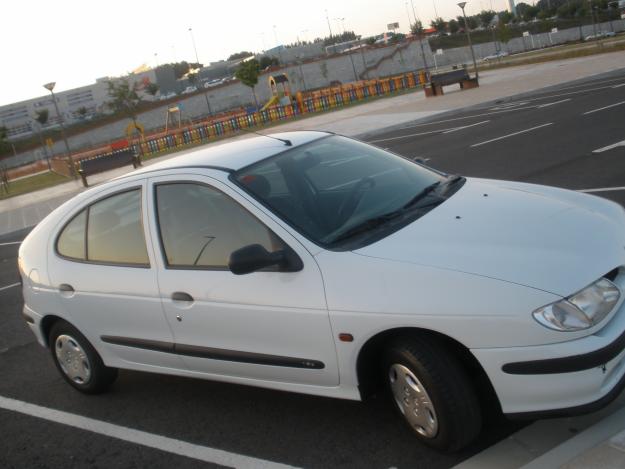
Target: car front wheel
[433,393]
[77,360]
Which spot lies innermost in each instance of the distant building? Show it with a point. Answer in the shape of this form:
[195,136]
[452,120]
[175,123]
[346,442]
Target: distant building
[74,105]
[512,7]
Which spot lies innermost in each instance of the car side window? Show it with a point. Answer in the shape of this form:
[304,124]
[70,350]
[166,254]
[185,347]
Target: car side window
[200,226]
[109,231]
[71,243]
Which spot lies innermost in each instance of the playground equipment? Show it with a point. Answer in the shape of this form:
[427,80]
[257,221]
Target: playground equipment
[280,90]
[172,112]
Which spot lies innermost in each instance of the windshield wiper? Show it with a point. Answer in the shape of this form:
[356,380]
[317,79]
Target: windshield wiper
[453,179]
[408,207]
[421,195]
[367,225]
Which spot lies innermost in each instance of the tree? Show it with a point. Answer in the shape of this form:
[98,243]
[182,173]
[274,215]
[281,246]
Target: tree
[504,33]
[397,38]
[337,38]
[152,89]
[439,24]
[125,99]
[266,61]
[82,112]
[417,28]
[472,21]
[486,16]
[41,116]
[192,78]
[181,68]
[248,73]
[240,55]
[453,26]
[504,17]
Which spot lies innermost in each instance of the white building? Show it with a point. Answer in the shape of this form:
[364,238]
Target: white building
[74,105]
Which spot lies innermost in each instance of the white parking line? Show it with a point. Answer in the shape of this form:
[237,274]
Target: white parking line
[465,127]
[13,285]
[555,102]
[151,440]
[444,131]
[619,85]
[466,117]
[605,107]
[411,135]
[11,243]
[610,147]
[511,135]
[603,189]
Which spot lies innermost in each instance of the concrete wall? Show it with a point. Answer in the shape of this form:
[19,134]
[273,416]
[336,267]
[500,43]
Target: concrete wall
[317,74]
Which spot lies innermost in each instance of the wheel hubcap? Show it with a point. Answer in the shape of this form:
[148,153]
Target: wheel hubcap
[413,401]
[72,359]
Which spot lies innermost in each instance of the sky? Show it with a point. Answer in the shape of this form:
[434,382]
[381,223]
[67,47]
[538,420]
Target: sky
[74,42]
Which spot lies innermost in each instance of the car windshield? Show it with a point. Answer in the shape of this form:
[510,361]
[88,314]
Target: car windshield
[337,191]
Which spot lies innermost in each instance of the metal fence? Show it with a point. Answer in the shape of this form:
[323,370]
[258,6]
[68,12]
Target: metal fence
[314,102]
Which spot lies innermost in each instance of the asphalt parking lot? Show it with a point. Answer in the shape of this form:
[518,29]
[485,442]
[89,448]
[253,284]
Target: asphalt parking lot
[570,136]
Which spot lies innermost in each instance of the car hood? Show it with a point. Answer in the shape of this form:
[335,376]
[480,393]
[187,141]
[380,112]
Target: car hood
[550,239]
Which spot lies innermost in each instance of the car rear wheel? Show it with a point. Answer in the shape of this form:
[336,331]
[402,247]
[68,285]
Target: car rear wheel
[77,360]
[433,393]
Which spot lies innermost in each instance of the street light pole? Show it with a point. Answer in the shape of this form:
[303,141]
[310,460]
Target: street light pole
[466,28]
[425,62]
[197,61]
[330,29]
[70,159]
[275,36]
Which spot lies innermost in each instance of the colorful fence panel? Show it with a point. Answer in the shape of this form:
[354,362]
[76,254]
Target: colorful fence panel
[317,101]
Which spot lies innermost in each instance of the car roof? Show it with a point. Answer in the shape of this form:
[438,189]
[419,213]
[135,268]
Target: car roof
[232,156]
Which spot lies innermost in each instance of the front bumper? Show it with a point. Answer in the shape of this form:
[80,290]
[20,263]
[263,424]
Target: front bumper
[560,379]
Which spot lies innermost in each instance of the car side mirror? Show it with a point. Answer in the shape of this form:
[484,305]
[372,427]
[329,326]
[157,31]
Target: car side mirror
[255,257]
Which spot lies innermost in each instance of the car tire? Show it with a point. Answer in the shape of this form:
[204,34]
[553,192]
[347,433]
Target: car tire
[77,360]
[433,393]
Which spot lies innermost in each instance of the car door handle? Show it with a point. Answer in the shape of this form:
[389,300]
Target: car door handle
[66,288]
[181,296]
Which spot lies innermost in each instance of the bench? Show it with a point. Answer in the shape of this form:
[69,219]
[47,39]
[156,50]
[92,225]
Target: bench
[438,80]
[106,161]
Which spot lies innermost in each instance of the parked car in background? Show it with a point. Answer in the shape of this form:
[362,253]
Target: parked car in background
[495,56]
[211,83]
[166,96]
[189,89]
[315,263]
[599,35]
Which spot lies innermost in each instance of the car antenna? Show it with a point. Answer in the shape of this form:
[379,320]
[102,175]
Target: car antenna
[288,143]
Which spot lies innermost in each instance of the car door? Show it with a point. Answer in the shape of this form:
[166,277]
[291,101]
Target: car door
[106,278]
[267,325]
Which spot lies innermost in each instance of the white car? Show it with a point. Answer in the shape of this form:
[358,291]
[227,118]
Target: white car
[315,263]
[189,89]
[497,55]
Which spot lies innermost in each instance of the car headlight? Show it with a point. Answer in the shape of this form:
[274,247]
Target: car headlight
[581,310]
